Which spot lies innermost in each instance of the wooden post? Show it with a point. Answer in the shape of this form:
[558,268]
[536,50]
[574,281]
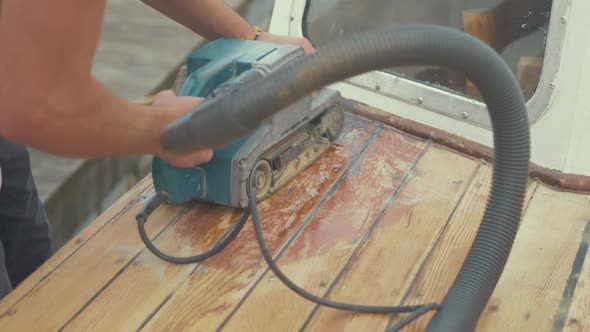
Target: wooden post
[529,74]
[480,23]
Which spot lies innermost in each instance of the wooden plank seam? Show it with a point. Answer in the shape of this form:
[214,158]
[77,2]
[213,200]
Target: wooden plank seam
[162,231]
[152,314]
[164,295]
[308,218]
[197,265]
[572,282]
[172,222]
[357,252]
[357,255]
[434,246]
[348,215]
[80,243]
[418,275]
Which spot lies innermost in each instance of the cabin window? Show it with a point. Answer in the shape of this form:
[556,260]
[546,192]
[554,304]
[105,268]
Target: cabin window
[516,29]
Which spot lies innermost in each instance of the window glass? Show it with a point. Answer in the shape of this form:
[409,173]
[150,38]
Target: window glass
[516,29]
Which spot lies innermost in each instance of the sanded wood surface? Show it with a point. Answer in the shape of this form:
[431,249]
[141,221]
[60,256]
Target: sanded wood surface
[333,234]
[579,310]
[541,264]
[230,275]
[382,218]
[441,268]
[420,212]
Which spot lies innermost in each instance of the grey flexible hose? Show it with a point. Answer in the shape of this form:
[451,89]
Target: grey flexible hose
[219,121]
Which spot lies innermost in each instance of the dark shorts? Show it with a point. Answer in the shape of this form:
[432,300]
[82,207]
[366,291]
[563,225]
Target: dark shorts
[25,241]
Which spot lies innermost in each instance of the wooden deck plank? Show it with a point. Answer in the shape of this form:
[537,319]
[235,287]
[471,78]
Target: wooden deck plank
[529,292]
[148,280]
[405,235]
[104,313]
[106,280]
[314,260]
[441,268]
[219,286]
[579,308]
[83,274]
[130,199]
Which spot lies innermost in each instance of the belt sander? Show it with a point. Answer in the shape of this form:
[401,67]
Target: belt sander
[269,157]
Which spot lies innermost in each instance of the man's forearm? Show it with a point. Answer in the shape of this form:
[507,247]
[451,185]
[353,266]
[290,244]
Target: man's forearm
[49,99]
[88,123]
[211,19]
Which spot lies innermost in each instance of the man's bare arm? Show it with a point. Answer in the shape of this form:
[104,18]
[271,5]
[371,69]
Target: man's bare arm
[211,19]
[49,99]
[214,19]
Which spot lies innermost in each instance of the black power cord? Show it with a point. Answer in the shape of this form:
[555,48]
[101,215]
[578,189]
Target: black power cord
[161,198]
[411,317]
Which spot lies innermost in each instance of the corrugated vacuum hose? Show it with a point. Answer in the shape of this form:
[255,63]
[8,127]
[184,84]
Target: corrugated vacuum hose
[219,121]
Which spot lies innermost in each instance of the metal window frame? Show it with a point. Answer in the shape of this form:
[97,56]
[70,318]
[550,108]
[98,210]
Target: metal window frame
[449,103]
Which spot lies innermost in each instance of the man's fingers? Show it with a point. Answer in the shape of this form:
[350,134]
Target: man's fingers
[166,94]
[190,160]
[176,106]
[167,98]
[308,48]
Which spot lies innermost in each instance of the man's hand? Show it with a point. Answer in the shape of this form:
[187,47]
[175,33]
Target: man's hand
[303,42]
[179,106]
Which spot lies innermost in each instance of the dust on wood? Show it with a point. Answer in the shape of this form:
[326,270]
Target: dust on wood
[386,265]
[142,287]
[83,274]
[529,292]
[325,245]
[441,269]
[207,297]
[579,309]
[130,199]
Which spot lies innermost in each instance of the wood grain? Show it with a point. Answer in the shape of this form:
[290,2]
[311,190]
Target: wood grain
[128,201]
[210,294]
[442,267]
[107,281]
[579,310]
[194,232]
[405,236]
[145,283]
[83,274]
[552,177]
[314,260]
[529,292]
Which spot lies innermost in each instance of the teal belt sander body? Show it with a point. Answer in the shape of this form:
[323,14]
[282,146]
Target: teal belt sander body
[267,121]
[272,155]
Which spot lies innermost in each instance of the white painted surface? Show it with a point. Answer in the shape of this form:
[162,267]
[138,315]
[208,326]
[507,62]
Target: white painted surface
[281,14]
[560,138]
